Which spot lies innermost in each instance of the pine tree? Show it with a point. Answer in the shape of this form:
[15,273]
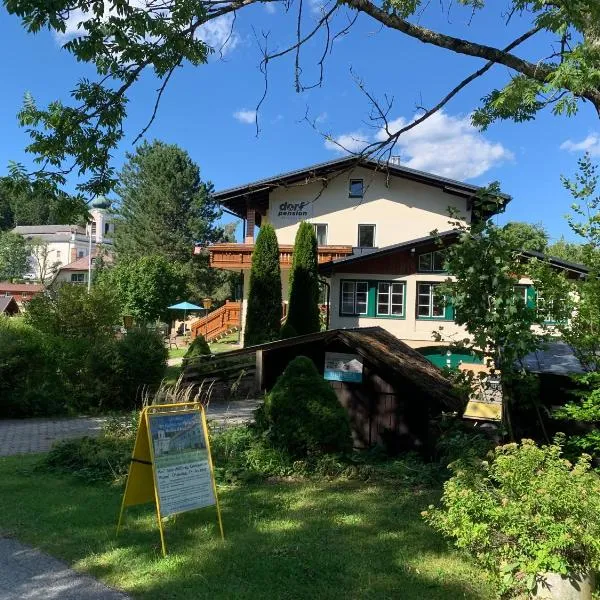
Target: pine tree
[164,209]
[263,318]
[303,309]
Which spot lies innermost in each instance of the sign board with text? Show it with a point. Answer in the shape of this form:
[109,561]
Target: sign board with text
[171,463]
[343,367]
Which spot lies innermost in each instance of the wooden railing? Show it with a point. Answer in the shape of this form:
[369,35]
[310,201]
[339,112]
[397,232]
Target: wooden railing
[218,321]
[239,256]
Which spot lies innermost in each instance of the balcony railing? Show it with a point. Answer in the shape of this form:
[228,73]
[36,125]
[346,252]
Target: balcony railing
[239,256]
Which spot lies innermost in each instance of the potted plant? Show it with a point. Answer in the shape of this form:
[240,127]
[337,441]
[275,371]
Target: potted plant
[528,516]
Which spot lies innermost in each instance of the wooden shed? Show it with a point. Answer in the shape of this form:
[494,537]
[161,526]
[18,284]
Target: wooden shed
[391,392]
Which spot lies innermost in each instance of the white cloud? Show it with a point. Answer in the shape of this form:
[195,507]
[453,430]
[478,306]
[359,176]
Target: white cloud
[217,33]
[350,142]
[590,144]
[245,116]
[446,145]
[270,8]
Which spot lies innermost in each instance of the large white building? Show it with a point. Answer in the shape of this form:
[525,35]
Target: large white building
[373,224]
[61,245]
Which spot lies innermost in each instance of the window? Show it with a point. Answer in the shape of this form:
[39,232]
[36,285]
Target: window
[356,189]
[77,277]
[430,304]
[106,228]
[321,233]
[366,236]
[58,255]
[93,227]
[390,298]
[355,297]
[80,254]
[431,262]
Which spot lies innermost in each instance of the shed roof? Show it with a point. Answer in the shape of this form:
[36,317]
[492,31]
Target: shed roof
[381,349]
[33,288]
[235,198]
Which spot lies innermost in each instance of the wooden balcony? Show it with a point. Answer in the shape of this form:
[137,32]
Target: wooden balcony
[235,257]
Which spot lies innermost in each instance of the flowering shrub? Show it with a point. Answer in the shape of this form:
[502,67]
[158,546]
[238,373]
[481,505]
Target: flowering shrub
[524,512]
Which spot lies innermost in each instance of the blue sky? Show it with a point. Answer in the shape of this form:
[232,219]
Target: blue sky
[205,110]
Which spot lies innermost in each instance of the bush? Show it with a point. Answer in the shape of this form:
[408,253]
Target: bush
[198,347]
[288,331]
[302,414]
[30,384]
[525,512]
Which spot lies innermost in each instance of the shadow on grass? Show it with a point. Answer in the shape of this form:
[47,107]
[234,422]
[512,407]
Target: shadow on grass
[284,540]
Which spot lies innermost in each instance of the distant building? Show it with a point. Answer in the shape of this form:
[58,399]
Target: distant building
[21,292]
[65,244]
[78,271]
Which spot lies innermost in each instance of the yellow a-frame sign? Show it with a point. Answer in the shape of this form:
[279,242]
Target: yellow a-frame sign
[171,463]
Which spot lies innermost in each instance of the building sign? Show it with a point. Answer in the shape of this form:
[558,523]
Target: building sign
[295,211]
[171,463]
[343,367]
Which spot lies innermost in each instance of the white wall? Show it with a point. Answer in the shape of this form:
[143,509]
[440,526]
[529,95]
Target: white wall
[402,211]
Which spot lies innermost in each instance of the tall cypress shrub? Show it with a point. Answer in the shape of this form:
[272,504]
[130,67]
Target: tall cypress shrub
[263,317]
[303,309]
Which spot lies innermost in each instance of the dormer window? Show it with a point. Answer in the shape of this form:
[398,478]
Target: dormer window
[356,189]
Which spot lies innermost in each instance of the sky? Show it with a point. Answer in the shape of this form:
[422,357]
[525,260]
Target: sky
[209,110]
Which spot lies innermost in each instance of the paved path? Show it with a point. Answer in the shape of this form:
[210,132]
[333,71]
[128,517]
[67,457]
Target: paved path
[23,436]
[28,574]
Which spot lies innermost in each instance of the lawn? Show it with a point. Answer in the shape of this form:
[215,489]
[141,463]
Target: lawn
[326,539]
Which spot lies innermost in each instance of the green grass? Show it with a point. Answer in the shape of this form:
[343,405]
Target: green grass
[225,344]
[172,372]
[297,540]
[177,352]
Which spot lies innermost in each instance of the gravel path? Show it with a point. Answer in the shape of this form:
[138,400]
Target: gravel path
[28,574]
[25,436]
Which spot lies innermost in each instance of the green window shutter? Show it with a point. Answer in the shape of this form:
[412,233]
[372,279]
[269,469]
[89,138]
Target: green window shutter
[372,306]
[530,296]
[449,310]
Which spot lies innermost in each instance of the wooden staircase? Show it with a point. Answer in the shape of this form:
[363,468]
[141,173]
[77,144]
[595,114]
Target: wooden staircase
[218,323]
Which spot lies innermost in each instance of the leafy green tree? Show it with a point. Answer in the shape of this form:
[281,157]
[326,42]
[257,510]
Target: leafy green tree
[487,268]
[164,209]
[24,202]
[263,316]
[145,286]
[569,251]
[527,236]
[14,256]
[303,309]
[123,40]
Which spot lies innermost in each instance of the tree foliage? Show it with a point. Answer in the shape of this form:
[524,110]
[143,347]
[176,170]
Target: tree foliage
[145,286]
[263,313]
[14,256]
[303,308]
[123,39]
[164,209]
[527,236]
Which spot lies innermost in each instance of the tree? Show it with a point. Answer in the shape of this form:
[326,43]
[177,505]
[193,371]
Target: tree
[122,40]
[145,286]
[164,209]
[487,268]
[39,252]
[527,236]
[569,251]
[37,203]
[14,256]
[263,314]
[303,308]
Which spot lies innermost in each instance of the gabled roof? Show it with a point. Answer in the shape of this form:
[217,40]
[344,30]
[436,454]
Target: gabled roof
[8,302]
[47,229]
[445,237]
[257,192]
[557,262]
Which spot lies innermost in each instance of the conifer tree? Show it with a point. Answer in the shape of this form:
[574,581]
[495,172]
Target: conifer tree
[303,309]
[263,318]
